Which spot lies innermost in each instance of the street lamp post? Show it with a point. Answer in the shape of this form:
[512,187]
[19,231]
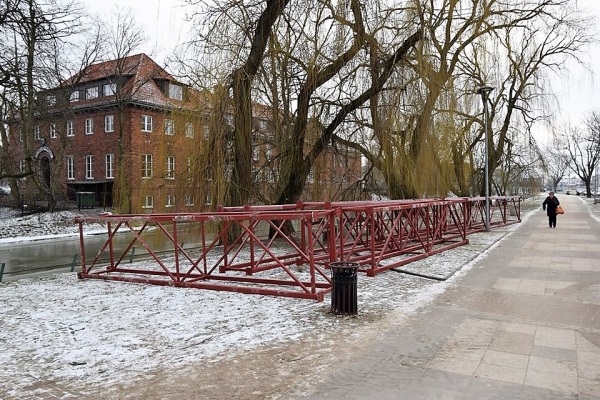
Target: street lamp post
[596,185]
[484,91]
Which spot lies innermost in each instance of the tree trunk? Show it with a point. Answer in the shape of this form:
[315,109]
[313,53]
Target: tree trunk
[241,180]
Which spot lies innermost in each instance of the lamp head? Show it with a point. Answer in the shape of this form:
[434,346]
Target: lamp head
[484,90]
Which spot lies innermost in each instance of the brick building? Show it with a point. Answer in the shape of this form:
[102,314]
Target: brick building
[133,137]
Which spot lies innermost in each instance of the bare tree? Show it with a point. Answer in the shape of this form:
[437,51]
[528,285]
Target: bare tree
[518,171]
[35,46]
[584,149]
[535,50]
[556,161]
[124,37]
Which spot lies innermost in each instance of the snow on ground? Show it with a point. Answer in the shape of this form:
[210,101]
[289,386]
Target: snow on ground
[57,328]
[42,226]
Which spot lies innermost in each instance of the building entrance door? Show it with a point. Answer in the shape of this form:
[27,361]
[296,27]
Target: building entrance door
[45,172]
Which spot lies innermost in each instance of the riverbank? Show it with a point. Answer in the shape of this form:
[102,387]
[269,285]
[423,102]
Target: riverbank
[43,226]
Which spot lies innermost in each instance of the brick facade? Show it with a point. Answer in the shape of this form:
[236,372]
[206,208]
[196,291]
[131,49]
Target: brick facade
[166,167]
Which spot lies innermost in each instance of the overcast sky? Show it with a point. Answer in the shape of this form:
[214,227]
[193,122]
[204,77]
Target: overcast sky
[164,22]
[578,93]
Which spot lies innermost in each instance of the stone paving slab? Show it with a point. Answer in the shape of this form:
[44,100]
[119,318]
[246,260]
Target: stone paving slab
[523,323]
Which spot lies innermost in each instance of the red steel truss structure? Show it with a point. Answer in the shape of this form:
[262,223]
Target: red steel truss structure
[227,242]
[504,210]
[385,235]
[285,250]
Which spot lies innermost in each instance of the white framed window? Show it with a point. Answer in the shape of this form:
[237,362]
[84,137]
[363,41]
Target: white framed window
[91,93]
[70,167]
[170,168]
[229,119]
[110,166]
[148,201]
[175,92]
[70,128]
[208,199]
[52,131]
[262,124]
[146,123]
[189,130]
[189,200]
[89,167]
[20,136]
[74,96]
[89,126]
[22,166]
[256,153]
[51,100]
[268,175]
[146,166]
[337,161]
[36,133]
[206,131]
[228,172]
[189,168]
[169,127]
[109,89]
[109,123]
[170,201]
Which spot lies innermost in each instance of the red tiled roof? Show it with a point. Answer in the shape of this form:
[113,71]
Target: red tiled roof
[145,90]
[142,75]
[139,64]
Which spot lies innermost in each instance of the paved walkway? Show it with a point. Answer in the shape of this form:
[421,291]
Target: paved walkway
[524,323]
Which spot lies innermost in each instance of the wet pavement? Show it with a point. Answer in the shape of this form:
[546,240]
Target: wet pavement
[523,323]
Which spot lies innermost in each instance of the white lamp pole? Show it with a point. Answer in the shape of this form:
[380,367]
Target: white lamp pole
[596,185]
[484,91]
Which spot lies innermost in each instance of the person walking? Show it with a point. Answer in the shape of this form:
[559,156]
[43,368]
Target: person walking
[549,205]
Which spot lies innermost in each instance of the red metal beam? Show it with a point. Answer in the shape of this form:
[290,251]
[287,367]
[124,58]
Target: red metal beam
[247,254]
[234,251]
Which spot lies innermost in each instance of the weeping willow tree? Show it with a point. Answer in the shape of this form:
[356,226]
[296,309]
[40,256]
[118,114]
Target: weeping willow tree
[191,163]
[307,74]
[434,146]
[395,84]
[421,150]
[520,60]
[422,123]
[353,50]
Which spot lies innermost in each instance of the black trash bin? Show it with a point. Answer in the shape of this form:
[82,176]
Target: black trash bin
[344,280]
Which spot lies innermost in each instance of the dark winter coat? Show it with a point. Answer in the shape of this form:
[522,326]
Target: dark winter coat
[550,205]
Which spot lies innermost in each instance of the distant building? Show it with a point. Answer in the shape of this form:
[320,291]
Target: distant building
[133,137]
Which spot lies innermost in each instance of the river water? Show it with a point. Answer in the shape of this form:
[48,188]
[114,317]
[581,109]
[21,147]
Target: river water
[33,258]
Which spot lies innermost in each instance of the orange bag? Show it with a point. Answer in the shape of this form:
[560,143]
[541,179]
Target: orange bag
[559,210]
